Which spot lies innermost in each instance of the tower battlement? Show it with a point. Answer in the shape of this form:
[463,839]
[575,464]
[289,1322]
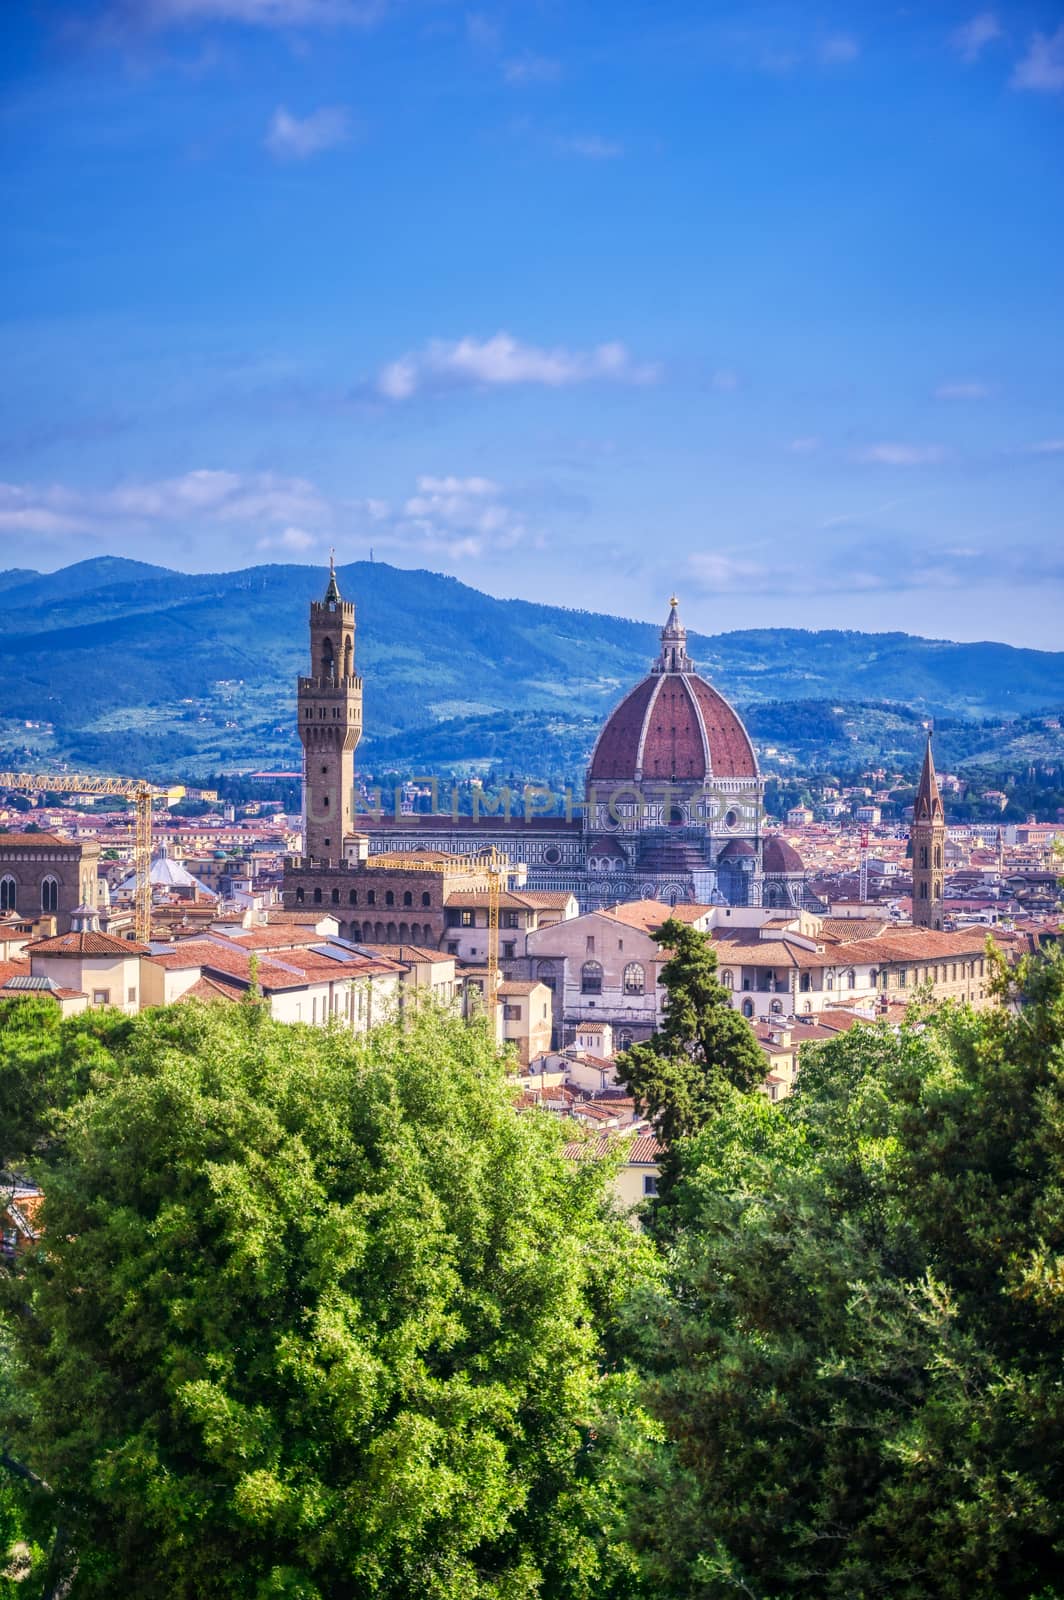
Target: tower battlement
[330,726]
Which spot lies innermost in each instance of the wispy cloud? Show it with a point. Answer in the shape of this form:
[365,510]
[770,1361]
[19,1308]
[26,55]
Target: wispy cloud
[838,49]
[588,146]
[204,495]
[531,69]
[874,565]
[1048,447]
[482,30]
[292,138]
[901,455]
[969,389]
[972,38]
[251,13]
[503,361]
[294,540]
[1042,68]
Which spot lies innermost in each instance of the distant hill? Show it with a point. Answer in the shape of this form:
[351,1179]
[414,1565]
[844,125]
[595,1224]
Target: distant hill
[134,665]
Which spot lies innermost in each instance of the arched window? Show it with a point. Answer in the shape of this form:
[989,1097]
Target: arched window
[829,980]
[547,973]
[50,894]
[851,979]
[748,1008]
[776,1008]
[634,978]
[317,897]
[336,897]
[591,978]
[408,898]
[389,898]
[352,897]
[727,978]
[371,897]
[426,899]
[805,982]
[8,893]
[807,1007]
[328,659]
[923,855]
[938,855]
[348,660]
[301,895]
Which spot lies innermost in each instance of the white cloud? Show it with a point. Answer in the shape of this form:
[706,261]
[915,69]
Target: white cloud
[972,38]
[482,30]
[292,138]
[901,455]
[503,361]
[590,147]
[1048,447]
[531,69]
[205,495]
[804,446]
[968,390]
[254,13]
[459,517]
[291,539]
[839,49]
[1042,68]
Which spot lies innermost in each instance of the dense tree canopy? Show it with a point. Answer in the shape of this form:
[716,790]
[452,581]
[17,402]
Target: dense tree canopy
[858,1361]
[682,1073]
[318,1317]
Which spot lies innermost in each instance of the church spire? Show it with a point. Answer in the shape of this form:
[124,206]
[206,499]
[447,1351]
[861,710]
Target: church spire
[673,657]
[332,593]
[928,804]
[928,840]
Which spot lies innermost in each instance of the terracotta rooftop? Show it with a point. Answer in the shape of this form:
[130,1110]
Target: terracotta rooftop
[89,943]
[26,840]
[650,914]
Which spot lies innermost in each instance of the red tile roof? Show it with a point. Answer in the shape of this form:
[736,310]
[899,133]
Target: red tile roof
[90,943]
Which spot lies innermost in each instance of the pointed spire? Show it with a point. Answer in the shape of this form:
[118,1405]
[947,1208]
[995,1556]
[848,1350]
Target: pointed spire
[928,803]
[332,593]
[673,657]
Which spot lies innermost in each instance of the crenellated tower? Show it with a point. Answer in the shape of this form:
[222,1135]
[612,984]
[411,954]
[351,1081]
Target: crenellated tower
[330,726]
[928,840]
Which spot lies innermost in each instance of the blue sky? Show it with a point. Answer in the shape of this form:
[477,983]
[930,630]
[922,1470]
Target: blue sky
[579,302]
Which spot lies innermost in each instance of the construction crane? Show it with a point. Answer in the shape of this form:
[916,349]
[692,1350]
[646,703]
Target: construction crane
[139,791]
[495,865]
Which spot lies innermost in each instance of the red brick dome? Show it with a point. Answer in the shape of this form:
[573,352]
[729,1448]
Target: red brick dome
[779,856]
[673,727]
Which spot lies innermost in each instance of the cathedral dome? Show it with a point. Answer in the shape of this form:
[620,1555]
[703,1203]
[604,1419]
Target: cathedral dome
[779,856]
[673,727]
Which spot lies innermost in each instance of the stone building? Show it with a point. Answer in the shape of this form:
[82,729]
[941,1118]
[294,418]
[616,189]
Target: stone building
[42,875]
[927,838]
[672,808]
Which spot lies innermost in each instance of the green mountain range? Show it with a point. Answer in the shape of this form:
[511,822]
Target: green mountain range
[120,665]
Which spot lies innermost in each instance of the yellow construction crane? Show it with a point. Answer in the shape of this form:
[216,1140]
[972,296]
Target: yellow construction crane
[495,866]
[139,791]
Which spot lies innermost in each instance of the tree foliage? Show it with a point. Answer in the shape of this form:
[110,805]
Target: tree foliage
[682,1073]
[857,1362]
[319,1316]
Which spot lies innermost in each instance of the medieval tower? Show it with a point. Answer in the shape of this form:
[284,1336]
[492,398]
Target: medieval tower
[928,840]
[330,725]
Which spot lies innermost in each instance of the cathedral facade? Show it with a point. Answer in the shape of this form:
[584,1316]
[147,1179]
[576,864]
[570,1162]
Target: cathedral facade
[672,808]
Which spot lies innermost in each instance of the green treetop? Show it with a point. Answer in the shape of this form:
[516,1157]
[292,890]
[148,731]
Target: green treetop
[681,1073]
[856,1363]
[318,1317]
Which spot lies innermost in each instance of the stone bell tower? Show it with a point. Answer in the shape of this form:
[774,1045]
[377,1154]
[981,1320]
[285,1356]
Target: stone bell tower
[928,839]
[330,725]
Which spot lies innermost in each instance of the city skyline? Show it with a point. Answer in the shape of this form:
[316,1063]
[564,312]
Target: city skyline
[760,306]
